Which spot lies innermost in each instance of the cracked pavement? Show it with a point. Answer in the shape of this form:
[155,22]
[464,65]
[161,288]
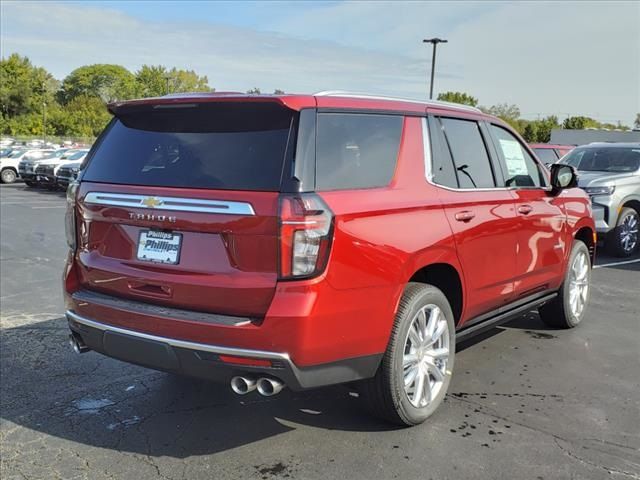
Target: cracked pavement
[525,401]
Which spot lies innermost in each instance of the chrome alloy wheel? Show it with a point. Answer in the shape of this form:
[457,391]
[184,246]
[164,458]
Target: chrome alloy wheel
[578,284]
[426,354]
[629,233]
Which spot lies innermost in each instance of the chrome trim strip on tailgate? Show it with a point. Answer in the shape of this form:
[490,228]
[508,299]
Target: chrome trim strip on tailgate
[169,203]
[240,352]
[143,308]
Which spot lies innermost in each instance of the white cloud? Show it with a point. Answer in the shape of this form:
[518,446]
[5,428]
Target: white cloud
[545,57]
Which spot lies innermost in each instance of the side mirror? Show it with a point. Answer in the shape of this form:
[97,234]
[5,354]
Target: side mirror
[563,176]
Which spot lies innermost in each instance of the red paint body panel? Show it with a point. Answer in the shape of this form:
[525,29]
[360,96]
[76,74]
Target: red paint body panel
[382,237]
[486,246]
[228,263]
[544,241]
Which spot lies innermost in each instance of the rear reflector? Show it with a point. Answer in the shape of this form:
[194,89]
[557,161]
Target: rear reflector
[253,362]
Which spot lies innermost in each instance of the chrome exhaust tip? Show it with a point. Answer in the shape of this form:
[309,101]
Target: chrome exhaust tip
[77,344]
[269,386]
[243,385]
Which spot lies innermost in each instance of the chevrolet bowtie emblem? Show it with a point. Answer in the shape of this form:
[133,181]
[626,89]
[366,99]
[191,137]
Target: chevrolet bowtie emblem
[151,202]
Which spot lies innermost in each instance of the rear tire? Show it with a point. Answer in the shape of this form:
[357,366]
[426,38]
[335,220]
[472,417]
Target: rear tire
[568,308]
[8,175]
[623,240]
[415,372]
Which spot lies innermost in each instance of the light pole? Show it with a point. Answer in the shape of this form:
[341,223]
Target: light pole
[434,42]
[167,78]
[44,114]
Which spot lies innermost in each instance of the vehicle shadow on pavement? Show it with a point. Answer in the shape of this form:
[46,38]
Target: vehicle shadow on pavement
[42,191]
[529,322]
[101,402]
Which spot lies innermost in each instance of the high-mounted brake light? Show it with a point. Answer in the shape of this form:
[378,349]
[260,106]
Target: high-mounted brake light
[305,235]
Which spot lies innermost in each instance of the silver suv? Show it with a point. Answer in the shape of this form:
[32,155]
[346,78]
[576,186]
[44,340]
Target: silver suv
[610,174]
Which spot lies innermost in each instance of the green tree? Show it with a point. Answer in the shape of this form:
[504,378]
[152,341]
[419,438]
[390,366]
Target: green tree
[23,87]
[84,116]
[579,123]
[458,97]
[277,91]
[106,82]
[508,112]
[152,81]
[156,80]
[544,128]
[636,123]
[187,81]
[530,132]
[254,91]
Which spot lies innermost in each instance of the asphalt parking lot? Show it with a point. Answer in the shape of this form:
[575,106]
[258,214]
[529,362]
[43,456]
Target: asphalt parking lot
[525,401]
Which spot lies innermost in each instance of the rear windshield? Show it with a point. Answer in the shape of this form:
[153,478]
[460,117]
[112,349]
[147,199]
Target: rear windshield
[547,155]
[234,146]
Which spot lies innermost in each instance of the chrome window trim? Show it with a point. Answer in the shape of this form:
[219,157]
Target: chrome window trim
[176,204]
[426,145]
[174,342]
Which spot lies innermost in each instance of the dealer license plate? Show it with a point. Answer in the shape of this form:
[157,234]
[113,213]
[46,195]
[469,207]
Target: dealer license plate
[159,247]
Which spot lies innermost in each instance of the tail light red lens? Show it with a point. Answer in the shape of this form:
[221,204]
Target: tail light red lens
[305,235]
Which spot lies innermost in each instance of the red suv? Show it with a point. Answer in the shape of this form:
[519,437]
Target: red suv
[308,240]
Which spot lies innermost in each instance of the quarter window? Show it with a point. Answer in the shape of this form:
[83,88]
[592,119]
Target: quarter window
[469,153]
[442,168]
[521,170]
[356,150]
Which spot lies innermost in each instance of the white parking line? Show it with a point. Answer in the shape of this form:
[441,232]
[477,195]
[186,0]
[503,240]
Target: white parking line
[51,206]
[624,262]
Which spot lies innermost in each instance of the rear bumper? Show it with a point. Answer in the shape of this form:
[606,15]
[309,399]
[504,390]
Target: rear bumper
[203,360]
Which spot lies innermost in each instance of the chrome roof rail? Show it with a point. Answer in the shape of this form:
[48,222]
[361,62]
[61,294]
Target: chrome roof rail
[433,103]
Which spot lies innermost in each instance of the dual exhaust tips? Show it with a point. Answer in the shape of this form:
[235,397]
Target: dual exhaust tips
[266,386]
[77,344]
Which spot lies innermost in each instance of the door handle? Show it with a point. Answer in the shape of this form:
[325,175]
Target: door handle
[525,209]
[464,216]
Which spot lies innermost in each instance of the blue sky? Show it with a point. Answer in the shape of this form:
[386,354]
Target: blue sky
[547,57]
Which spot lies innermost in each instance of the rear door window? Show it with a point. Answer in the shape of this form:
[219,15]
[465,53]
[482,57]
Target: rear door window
[469,153]
[229,146]
[356,150]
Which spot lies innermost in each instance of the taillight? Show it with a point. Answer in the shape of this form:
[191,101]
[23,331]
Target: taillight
[70,215]
[305,235]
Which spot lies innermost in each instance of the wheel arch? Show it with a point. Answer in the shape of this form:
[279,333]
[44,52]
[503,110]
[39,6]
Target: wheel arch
[631,203]
[447,278]
[586,234]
